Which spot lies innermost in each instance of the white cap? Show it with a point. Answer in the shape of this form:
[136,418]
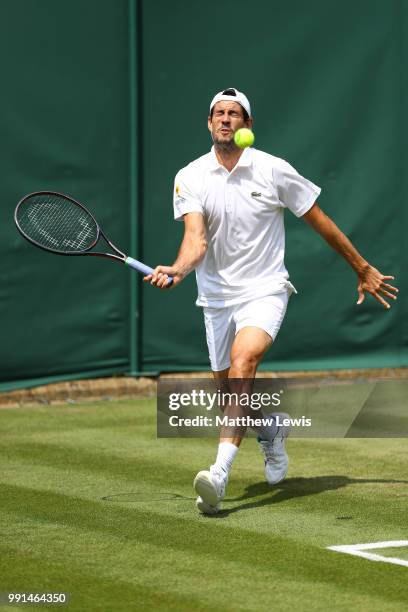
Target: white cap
[233,95]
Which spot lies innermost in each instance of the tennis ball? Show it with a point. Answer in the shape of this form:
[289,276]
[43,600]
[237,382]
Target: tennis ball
[244,138]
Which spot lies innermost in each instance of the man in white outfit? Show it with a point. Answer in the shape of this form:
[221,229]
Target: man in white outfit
[232,202]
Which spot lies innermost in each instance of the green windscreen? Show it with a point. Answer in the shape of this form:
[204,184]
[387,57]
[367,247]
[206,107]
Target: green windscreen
[112,116]
[325,82]
[64,116]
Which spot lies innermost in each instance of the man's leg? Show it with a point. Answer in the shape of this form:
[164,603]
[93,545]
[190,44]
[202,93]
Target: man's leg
[229,444]
[248,330]
[248,348]
[271,438]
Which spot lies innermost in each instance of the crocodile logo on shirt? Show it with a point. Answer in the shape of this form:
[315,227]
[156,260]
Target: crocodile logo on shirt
[256,194]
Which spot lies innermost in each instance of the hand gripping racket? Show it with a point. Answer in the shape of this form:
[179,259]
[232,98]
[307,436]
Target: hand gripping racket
[59,224]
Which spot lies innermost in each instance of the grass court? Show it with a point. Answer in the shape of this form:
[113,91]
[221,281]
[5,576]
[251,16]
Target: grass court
[92,504]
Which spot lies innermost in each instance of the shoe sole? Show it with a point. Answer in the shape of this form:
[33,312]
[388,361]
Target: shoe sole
[205,488]
[206,508]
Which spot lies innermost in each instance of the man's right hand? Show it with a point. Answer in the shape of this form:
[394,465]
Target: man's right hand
[160,275]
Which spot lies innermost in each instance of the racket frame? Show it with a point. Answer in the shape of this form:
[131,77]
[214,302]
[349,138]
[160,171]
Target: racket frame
[119,257]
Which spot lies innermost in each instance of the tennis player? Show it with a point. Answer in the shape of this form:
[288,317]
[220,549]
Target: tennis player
[232,202]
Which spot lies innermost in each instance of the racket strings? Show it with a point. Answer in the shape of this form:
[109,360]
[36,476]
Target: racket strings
[57,223]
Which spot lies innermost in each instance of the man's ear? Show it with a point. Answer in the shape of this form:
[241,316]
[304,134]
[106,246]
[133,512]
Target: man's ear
[209,123]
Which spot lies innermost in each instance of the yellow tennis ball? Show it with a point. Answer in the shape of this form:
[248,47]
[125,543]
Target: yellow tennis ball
[244,138]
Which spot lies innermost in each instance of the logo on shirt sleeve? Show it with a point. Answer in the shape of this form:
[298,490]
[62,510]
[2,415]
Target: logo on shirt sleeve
[177,193]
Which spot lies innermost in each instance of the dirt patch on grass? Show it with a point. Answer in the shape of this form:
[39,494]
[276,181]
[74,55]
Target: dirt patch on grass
[100,389]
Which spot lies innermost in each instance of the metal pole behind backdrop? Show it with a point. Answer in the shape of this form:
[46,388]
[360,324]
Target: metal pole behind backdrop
[133,187]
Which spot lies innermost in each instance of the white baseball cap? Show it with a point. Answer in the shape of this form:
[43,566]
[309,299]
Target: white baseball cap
[232,95]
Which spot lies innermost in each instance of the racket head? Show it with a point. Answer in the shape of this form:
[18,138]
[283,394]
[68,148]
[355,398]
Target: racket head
[56,222]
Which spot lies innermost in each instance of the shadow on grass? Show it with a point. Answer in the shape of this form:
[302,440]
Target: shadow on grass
[259,494]
[139,497]
[292,488]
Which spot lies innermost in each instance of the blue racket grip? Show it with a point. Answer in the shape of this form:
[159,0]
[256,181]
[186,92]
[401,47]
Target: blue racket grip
[141,267]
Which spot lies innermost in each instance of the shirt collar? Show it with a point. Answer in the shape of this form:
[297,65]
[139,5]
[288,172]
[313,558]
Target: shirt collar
[244,161]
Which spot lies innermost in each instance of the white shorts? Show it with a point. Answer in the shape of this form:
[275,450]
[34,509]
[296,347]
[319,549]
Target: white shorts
[222,324]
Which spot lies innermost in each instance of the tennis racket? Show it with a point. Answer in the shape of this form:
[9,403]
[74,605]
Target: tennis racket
[57,223]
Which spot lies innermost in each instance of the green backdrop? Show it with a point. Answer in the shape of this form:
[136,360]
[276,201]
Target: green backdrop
[106,100]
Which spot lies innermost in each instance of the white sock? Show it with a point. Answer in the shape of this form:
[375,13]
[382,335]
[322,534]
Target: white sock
[225,457]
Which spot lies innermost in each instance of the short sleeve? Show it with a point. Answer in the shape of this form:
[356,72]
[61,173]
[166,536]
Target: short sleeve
[294,191]
[186,198]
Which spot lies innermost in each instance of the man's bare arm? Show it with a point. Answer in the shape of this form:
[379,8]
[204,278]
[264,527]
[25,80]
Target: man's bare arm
[192,249]
[369,278]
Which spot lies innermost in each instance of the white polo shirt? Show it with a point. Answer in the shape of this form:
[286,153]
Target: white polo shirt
[243,212]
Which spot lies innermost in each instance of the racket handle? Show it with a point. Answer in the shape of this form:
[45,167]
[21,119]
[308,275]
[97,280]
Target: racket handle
[140,267]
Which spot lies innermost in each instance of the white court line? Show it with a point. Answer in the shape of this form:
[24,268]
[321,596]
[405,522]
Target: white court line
[357,550]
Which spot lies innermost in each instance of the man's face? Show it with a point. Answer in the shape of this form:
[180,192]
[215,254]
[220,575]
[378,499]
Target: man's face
[226,119]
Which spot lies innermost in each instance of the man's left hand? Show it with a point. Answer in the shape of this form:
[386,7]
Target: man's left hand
[374,282]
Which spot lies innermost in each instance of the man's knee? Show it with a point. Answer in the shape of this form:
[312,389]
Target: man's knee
[249,346]
[245,361]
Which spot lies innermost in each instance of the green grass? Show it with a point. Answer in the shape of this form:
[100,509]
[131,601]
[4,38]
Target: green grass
[94,505]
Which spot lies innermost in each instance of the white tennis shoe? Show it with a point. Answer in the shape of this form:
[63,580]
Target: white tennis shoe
[275,456]
[210,488]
